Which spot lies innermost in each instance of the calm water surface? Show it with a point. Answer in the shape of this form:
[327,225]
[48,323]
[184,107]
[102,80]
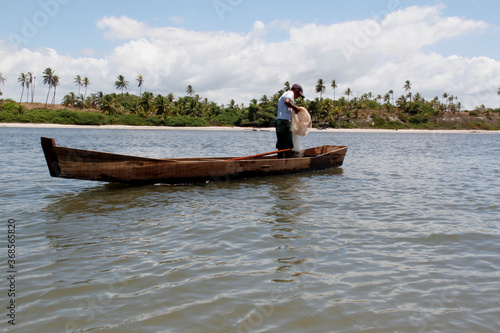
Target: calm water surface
[405,237]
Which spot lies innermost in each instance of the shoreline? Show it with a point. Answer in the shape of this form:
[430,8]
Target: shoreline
[253,129]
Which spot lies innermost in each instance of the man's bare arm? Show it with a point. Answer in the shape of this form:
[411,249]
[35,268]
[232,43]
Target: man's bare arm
[289,104]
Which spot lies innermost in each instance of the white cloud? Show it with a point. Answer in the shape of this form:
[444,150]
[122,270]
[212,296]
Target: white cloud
[176,19]
[374,55]
[473,80]
[88,51]
[415,27]
[121,27]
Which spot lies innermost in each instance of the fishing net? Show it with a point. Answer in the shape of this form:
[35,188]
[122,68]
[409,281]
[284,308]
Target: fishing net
[298,149]
[301,122]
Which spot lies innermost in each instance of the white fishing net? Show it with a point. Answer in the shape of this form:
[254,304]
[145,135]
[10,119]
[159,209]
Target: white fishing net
[301,122]
[298,148]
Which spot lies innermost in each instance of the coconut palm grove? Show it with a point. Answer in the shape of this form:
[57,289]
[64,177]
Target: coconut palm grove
[343,110]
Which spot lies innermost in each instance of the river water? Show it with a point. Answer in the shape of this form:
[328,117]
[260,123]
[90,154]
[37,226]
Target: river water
[404,237]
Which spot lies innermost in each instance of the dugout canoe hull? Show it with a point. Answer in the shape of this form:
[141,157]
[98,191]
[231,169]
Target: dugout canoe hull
[83,164]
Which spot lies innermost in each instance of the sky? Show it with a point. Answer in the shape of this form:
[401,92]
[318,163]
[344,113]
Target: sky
[243,49]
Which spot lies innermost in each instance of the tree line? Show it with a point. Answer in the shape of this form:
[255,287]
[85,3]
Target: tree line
[341,112]
[407,108]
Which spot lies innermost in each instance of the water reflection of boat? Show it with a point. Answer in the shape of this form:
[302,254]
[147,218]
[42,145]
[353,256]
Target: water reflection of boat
[92,165]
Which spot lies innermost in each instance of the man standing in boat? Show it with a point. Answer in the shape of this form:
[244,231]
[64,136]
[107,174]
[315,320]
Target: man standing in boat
[284,119]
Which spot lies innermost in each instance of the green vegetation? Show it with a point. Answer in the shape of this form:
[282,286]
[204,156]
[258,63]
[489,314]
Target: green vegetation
[409,111]
[11,111]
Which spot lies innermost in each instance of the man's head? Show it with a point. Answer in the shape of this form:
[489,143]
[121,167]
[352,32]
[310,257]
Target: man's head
[298,91]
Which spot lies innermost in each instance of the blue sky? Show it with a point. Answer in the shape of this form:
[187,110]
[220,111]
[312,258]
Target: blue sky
[266,38]
[74,28]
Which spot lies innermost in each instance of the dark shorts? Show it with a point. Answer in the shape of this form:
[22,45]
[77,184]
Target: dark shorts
[283,134]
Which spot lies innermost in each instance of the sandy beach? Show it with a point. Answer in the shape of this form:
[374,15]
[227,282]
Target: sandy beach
[221,128]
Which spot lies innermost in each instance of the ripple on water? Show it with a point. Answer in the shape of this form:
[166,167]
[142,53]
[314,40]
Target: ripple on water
[404,237]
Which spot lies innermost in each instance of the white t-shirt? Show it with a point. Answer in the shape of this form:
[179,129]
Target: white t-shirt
[284,112]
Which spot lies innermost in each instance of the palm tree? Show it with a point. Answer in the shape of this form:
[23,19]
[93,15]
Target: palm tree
[48,74]
[85,83]
[378,99]
[161,105]
[147,102]
[287,86]
[92,101]
[109,104]
[29,82]
[80,102]
[140,79]
[78,82]
[28,85]
[387,101]
[97,99]
[22,79]
[445,97]
[435,104]
[170,97]
[401,103]
[70,99]
[391,92]
[33,84]
[348,93]
[190,90]
[407,88]
[55,83]
[264,100]
[2,81]
[320,88]
[451,98]
[121,83]
[498,91]
[418,99]
[334,86]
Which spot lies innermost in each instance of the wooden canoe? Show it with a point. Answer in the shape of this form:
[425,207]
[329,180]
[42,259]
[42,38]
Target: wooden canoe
[92,165]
